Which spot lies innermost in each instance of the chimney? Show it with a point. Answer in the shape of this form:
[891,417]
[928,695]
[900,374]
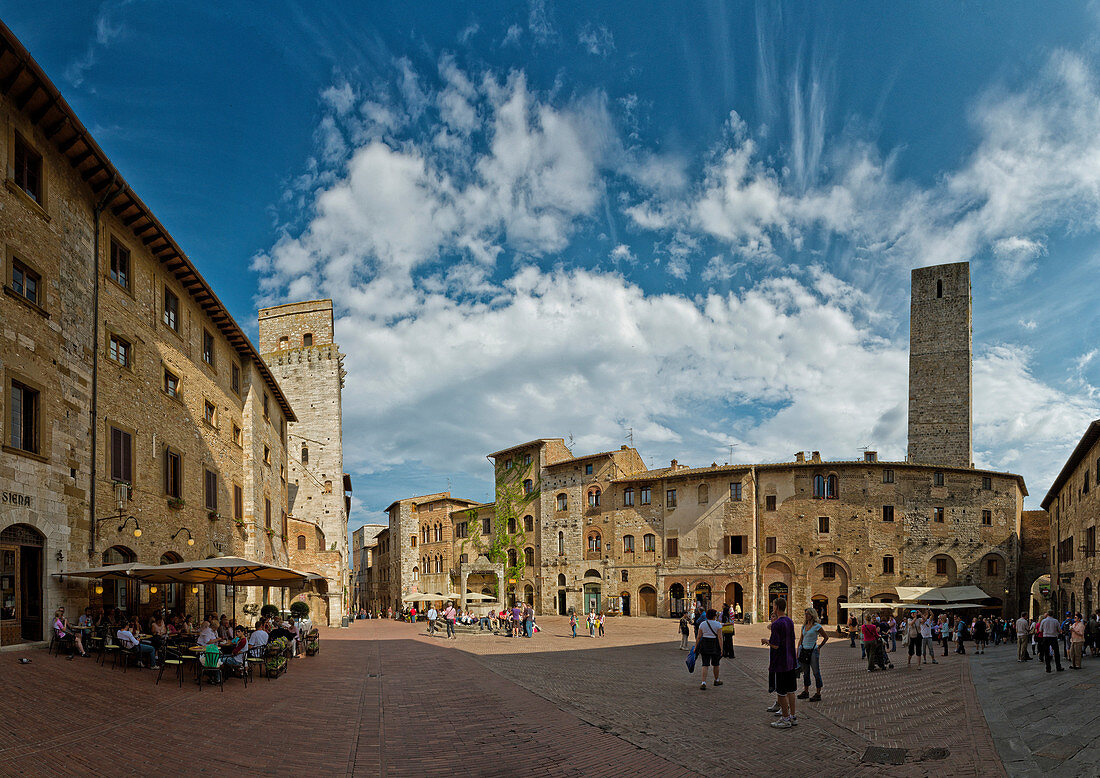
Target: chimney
[870,456]
[674,464]
[623,447]
[816,457]
[800,457]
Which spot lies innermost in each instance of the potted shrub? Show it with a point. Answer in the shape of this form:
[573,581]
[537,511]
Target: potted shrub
[176,502]
[269,610]
[213,515]
[299,609]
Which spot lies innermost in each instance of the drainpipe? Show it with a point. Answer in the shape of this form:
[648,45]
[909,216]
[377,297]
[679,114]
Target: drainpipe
[755,547]
[97,211]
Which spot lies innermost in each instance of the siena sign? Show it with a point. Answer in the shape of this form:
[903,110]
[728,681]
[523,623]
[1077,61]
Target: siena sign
[16,499]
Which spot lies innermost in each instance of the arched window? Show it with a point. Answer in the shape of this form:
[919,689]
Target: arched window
[649,542]
[594,497]
[529,557]
[831,487]
[284,342]
[825,488]
[704,494]
[594,541]
[512,557]
[529,594]
[561,542]
[561,579]
[307,339]
[528,486]
[416,573]
[301,542]
[305,454]
[512,525]
[819,487]
[528,523]
[563,502]
[439,564]
[628,544]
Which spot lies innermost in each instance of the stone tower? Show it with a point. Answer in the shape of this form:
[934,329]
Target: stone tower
[940,366]
[296,341]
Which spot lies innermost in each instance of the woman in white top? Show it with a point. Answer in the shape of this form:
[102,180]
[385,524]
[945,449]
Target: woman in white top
[708,646]
[206,635]
[928,648]
[808,656]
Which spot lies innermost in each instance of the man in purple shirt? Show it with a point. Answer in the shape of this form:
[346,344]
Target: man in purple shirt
[783,663]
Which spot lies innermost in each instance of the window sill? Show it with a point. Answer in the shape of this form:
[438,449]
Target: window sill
[24,453]
[10,292]
[126,290]
[29,201]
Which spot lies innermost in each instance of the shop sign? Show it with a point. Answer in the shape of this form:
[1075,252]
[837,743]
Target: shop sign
[16,499]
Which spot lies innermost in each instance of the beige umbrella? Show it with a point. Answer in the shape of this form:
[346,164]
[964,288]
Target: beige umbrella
[419,598]
[229,570]
[108,572]
[477,596]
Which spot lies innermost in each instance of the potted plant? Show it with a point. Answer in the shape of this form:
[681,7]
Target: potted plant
[239,523]
[270,532]
[176,502]
[269,610]
[213,515]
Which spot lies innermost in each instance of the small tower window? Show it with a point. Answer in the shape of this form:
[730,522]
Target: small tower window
[301,542]
[284,342]
[307,339]
[939,287]
[305,455]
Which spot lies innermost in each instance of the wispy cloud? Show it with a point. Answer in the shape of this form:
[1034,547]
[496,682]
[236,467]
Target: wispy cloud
[108,28]
[597,41]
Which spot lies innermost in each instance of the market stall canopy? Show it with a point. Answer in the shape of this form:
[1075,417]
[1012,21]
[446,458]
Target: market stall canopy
[114,572]
[944,594]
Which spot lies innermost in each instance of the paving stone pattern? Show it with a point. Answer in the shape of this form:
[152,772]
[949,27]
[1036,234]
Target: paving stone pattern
[1041,724]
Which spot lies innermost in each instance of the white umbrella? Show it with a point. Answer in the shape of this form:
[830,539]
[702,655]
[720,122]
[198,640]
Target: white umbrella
[476,596]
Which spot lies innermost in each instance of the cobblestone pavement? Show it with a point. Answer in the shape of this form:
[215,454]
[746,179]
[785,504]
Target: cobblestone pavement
[375,701]
[1041,724]
[633,683]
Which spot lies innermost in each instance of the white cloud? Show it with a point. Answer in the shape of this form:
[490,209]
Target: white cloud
[512,36]
[108,29]
[597,41]
[1029,324]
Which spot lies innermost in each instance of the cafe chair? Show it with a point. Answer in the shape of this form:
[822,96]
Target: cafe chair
[57,643]
[253,661]
[212,665]
[126,655]
[171,658]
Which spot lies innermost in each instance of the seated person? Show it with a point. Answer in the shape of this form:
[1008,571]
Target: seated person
[206,635]
[159,630]
[61,625]
[234,653]
[188,627]
[86,620]
[128,639]
[259,637]
[225,631]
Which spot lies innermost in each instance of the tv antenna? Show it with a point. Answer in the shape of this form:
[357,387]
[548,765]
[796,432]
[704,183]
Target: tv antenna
[630,436]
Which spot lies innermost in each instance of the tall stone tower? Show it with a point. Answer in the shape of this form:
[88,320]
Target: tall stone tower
[296,341]
[940,366]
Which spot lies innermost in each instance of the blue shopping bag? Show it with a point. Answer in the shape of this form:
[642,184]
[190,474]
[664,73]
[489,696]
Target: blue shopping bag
[690,661]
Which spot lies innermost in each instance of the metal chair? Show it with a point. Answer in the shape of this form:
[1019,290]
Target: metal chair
[57,643]
[171,658]
[254,659]
[212,665]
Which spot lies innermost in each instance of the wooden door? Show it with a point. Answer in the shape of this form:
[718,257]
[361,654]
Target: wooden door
[11,607]
[648,597]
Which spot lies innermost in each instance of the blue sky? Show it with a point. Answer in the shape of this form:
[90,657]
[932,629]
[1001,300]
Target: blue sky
[571,220]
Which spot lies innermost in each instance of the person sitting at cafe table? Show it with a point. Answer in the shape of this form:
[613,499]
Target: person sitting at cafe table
[65,632]
[128,638]
[206,635]
[225,632]
[159,630]
[188,627]
[86,619]
[234,653]
[259,637]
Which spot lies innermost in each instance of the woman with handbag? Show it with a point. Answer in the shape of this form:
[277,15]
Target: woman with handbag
[727,632]
[809,658]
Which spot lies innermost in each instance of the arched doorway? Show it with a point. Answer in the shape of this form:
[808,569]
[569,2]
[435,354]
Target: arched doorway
[170,594]
[561,595]
[820,603]
[677,603]
[647,595]
[735,596]
[777,590]
[529,594]
[841,610]
[1072,602]
[624,600]
[21,583]
[702,594]
[1086,599]
[592,591]
[119,594]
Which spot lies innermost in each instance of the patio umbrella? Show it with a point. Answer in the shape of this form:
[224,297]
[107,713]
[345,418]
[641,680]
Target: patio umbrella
[228,570]
[117,572]
[477,596]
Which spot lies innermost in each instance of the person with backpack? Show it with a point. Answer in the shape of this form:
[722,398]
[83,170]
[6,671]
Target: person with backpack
[708,646]
[684,632]
[573,621]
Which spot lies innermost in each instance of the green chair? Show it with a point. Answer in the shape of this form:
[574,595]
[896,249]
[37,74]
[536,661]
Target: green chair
[212,665]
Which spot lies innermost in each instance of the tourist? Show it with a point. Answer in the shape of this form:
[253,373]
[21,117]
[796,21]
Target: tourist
[159,630]
[225,631]
[64,632]
[1092,633]
[188,626]
[945,632]
[1076,642]
[1023,635]
[128,638]
[892,633]
[573,621]
[708,646]
[259,636]
[927,636]
[700,615]
[1050,629]
[517,620]
[809,655]
[592,624]
[206,635]
[86,619]
[433,614]
[960,636]
[870,637]
[684,632]
[853,628]
[728,631]
[449,615]
[784,663]
[529,621]
[981,635]
[737,611]
[599,623]
[234,653]
[913,635]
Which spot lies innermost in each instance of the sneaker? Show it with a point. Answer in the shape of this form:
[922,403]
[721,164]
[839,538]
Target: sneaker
[816,698]
[794,721]
[703,686]
[772,709]
[782,724]
[717,682]
[804,696]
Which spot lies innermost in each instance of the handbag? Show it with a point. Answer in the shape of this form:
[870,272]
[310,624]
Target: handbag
[690,661]
[727,629]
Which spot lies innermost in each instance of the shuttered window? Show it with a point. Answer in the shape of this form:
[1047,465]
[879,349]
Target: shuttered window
[122,468]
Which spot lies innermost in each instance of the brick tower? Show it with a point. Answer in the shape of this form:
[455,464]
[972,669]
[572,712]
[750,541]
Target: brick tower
[296,341]
[940,366]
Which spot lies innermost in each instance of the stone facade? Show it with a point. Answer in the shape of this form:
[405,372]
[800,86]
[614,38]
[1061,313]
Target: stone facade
[364,544]
[1035,558]
[1073,505]
[149,427]
[941,366]
[297,341]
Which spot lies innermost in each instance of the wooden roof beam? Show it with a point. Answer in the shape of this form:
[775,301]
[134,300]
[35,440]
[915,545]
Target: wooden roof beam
[93,171]
[9,82]
[26,95]
[64,147]
[40,114]
[56,127]
[80,159]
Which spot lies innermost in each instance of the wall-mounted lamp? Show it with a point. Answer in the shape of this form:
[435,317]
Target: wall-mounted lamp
[99,588]
[190,537]
[137,527]
[60,556]
[153,589]
[194,590]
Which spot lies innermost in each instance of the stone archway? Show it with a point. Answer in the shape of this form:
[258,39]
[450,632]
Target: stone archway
[22,584]
[482,569]
[648,598]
